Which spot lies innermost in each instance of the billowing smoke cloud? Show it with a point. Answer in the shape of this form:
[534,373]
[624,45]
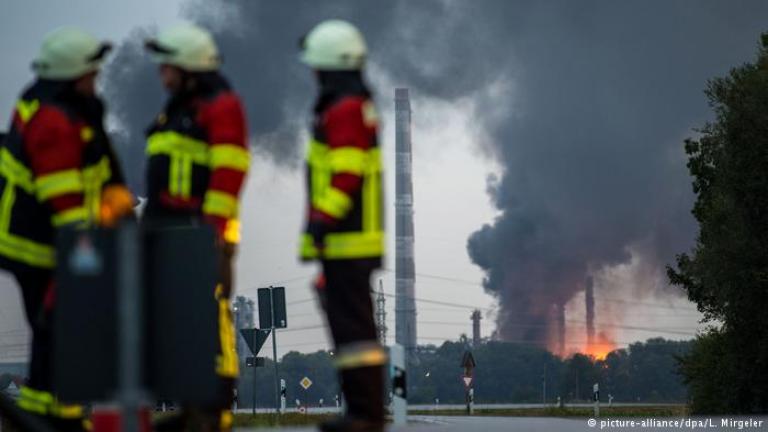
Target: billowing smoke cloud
[593,165]
[603,93]
[259,44]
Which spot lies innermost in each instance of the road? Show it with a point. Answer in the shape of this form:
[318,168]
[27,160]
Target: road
[484,424]
[433,407]
[542,424]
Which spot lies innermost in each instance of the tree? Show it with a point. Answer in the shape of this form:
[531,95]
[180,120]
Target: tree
[727,272]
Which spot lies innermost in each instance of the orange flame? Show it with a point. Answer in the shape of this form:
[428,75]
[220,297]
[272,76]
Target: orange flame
[600,347]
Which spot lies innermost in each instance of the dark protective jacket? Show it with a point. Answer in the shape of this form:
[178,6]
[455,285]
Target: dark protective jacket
[344,172]
[198,157]
[54,164]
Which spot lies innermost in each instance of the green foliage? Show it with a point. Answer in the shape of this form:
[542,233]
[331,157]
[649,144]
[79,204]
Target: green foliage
[293,367]
[727,272]
[505,373]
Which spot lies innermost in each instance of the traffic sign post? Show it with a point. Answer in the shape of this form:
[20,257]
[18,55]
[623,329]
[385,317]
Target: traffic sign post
[255,339]
[282,395]
[273,315]
[397,374]
[305,383]
[468,363]
[596,399]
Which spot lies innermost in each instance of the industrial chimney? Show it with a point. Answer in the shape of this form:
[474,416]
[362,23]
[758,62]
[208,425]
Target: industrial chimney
[405,304]
[589,301]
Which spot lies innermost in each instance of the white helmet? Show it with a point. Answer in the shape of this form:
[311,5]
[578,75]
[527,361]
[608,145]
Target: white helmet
[186,46]
[334,45]
[69,53]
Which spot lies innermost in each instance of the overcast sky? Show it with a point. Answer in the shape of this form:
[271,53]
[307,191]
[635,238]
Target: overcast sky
[444,145]
[458,145]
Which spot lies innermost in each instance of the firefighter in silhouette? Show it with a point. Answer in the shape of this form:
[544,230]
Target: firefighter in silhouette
[344,219]
[197,162]
[57,169]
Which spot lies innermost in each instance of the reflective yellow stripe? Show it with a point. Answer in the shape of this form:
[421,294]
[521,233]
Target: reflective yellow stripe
[369,243]
[174,186]
[226,362]
[232,231]
[346,245]
[230,156]
[221,204]
[86,134]
[6,205]
[35,401]
[73,215]
[27,109]
[98,172]
[348,160]
[66,411]
[59,183]
[15,171]
[185,180]
[360,355]
[94,178]
[226,420]
[317,152]
[27,251]
[333,202]
[170,143]
[182,151]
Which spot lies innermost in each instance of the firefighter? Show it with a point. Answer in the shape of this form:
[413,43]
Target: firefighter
[197,162]
[57,169]
[344,228]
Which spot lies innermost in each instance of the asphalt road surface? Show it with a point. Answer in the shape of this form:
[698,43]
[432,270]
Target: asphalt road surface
[543,424]
[476,424]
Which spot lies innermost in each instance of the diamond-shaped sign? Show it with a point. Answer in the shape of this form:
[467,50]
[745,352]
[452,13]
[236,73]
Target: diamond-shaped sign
[467,381]
[305,383]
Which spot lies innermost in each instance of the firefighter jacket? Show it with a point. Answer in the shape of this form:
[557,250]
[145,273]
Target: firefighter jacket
[198,157]
[54,165]
[344,173]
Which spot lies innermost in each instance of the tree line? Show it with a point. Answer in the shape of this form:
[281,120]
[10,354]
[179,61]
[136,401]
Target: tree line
[505,373]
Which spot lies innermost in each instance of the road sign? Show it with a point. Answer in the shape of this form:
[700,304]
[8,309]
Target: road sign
[305,383]
[467,381]
[255,338]
[279,314]
[255,362]
[264,296]
[272,312]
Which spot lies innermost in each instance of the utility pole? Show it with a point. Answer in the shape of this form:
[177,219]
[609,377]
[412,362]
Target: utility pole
[381,315]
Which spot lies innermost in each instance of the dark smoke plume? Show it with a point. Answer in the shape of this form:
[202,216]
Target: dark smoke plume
[589,302]
[593,163]
[259,45]
[602,94]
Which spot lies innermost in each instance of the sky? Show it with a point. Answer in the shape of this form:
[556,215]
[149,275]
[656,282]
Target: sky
[550,134]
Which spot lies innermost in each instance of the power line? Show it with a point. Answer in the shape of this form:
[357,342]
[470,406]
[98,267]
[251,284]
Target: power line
[279,282]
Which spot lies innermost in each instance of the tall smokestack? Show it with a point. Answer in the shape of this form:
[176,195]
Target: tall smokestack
[476,317]
[560,307]
[405,304]
[589,301]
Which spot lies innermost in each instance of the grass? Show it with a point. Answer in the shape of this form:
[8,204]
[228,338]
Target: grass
[271,420]
[643,411]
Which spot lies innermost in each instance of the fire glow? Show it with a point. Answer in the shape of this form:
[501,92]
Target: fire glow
[601,347]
